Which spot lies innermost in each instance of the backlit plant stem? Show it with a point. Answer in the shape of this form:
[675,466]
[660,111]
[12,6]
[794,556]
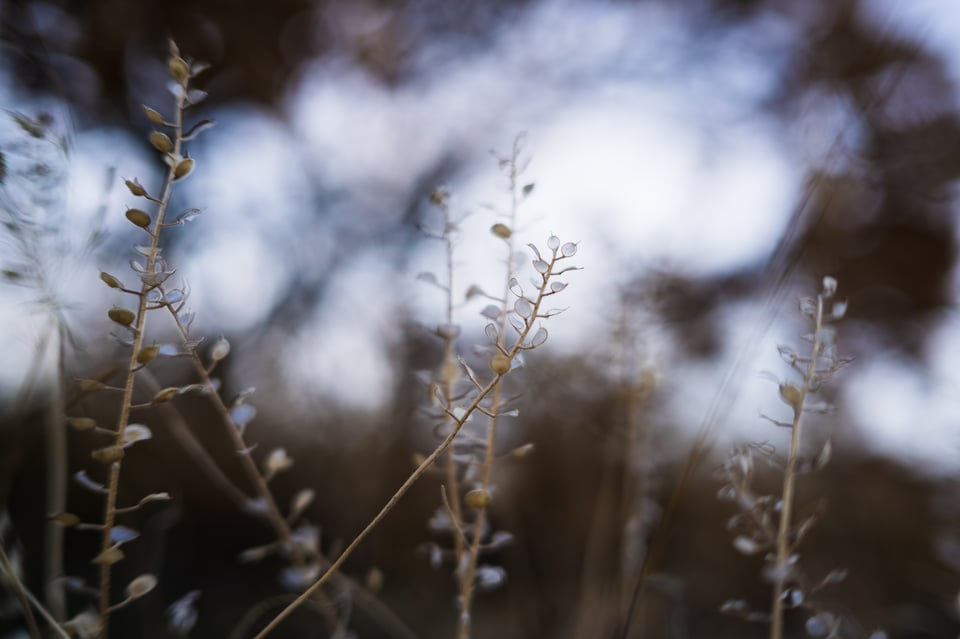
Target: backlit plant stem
[110,509]
[783,544]
[468,573]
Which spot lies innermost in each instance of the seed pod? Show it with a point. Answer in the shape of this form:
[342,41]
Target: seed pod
[121,316]
[165,395]
[183,168]
[135,188]
[108,455]
[161,141]
[67,520]
[153,115]
[141,586]
[478,499]
[792,395]
[147,354]
[501,230]
[178,68]
[81,423]
[109,556]
[138,217]
[500,364]
[110,280]
[89,385]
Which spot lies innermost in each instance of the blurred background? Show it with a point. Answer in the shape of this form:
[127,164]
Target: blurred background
[715,159]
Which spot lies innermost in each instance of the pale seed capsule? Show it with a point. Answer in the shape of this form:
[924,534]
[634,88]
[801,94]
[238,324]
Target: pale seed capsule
[153,115]
[178,68]
[109,556]
[500,364]
[108,455]
[141,586]
[66,519]
[81,423]
[161,141]
[110,280]
[165,395]
[147,354]
[135,188]
[183,168]
[478,499]
[139,218]
[121,315]
[501,230]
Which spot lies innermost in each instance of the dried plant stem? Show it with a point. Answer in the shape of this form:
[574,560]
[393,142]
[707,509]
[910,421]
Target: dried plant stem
[110,509]
[425,465]
[468,573]
[56,488]
[56,457]
[20,592]
[783,544]
[448,378]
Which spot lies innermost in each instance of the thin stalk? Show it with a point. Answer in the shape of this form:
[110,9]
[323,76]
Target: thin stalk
[469,572]
[110,509]
[56,488]
[448,376]
[789,483]
[20,592]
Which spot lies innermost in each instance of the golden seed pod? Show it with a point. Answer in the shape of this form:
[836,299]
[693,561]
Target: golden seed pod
[478,499]
[122,316]
[153,115]
[500,364]
[147,354]
[89,385]
[165,395]
[67,520]
[183,168]
[141,586]
[108,455]
[135,188]
[109,556]
[161,141]
[501,230]
[110,280]
[792,395]
[178,68]
[81,423]
[139,218]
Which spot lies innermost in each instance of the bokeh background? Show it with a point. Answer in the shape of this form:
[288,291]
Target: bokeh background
[713,158]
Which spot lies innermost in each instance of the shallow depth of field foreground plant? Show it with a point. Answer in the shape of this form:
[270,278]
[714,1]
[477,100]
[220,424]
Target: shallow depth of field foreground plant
[519,315]
[768,523]
[468,465]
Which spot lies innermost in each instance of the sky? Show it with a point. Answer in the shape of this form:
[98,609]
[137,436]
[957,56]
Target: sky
[642,166]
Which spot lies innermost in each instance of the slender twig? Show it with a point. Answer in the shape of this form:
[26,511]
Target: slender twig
[468,573]
[789,480]
[134,365]
[20,592]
